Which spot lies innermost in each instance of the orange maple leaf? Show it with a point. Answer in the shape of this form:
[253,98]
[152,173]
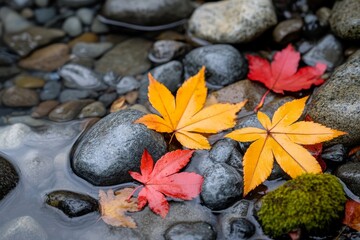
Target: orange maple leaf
[185,115]
[113,207]
[280,138]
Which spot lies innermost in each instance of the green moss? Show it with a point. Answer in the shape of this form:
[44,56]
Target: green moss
[311,201]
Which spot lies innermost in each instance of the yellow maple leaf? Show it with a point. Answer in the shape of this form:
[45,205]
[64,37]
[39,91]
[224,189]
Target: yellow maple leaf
[281,138]
[113,207]
[185,115]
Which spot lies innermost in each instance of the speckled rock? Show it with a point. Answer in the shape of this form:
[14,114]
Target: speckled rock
[69,110]
[71,203]
[33,37]
[114,146]
[328,50]
[222,186]
[126,58]
[224,64]
[169,74]
[191,231]
[95,109]
[24,227]
[337,103]
[8,177]
[47,59]
[147,12]
[91,50]
[233,21]
[349,173]
[20,97]
[345,19]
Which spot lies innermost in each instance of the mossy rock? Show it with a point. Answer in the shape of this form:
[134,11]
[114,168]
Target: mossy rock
[312,202]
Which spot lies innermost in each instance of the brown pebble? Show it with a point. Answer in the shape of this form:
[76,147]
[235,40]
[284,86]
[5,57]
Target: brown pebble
[69,110]
[287,30]
[118,104]
[20,97]
[48,58]
[86,37]
[44,108]
[27,81]
[131,97]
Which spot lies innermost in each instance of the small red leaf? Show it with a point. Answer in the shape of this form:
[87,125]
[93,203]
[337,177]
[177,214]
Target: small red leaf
[281,75]
[352,214]
[163,180]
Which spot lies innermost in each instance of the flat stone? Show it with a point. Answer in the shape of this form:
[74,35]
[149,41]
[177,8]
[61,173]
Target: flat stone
[147,12]
[85,38]
[31,38]
[95,109]
[8,177]
[345,19]
[51,90]
[71,203]
[127,84]
[44,108]
[47,59]
[75,94]
[69,110]
[224,64]
[20,97]
[28,81]
[13,22]
[91,50]
[126,58]
[336,104]
[233,21]
[24,227]
[8,72]
[114,146]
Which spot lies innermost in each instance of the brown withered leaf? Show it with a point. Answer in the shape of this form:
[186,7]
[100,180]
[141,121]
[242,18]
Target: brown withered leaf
[113,207]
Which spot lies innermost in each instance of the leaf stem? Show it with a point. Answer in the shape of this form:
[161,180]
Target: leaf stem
[261,103]
[132,193]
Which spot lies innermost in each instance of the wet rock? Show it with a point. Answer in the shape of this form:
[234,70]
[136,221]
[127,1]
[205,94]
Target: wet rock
[95,109]
[69,110]
[113,146]
[312,28]
[28,81]
[71,203]
[77,76]
[20,97]
[47,59]
[107,98]
[24,227]
[145,12]
[76,3]
[8,177]
[234,223]
[13,22]
[126,58]
[349,173]
[127,84]
[224,64]
[13,136]
[72,26]
[234,21]
[334,154]
[337,103]
[31,38]
[7,58]
[8,72]
[50,91]
[166,50]
[152,227]
[91,50]
[44,108]
[86,15]
[328,50]
[288,30]
[226,151]
[344,20]
[222,186]
[74,94]
[43,15]
[169,74]
[191,231]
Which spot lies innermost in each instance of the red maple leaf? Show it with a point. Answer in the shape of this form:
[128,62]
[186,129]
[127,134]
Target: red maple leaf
[282,75]
[352,214]
[163,180]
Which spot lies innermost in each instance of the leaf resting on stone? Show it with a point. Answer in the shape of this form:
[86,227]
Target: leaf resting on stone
[281,138]
[185,116]
[113,207]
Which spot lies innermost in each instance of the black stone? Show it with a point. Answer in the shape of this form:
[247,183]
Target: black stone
[241,228]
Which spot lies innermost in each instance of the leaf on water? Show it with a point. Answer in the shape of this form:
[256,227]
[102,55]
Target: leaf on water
[185,116]
[282,74]
[114,207]
[281,138]
[163,179]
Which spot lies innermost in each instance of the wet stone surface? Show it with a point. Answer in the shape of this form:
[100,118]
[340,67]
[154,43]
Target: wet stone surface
[8,177]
